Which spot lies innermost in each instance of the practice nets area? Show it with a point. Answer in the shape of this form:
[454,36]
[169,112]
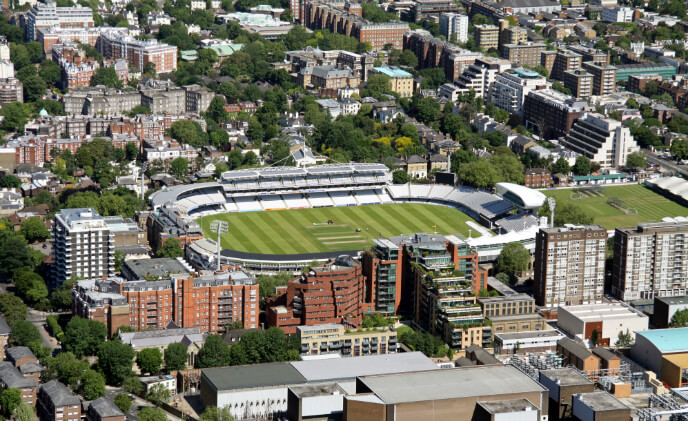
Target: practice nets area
[620,206]
[332,229]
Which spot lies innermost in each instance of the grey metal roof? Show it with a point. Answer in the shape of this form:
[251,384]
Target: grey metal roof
[12,378]
[59,394]
[170,194]
[253,376]
[4,327]
[463,382]
[31,367]
[350,368]
[104,407]
[575,348]
[18,352]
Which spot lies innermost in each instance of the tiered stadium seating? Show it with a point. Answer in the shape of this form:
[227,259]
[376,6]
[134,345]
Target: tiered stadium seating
[295,201]
[320,200]
[367,197]
[342,198]
[383,195]
[230,206]
[248,203]
[419,191]
[272,202]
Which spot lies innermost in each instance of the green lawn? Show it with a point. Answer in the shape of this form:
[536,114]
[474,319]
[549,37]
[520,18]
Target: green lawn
[293,231]
[650,205]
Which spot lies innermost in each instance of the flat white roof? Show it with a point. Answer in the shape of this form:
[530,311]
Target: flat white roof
[600,312]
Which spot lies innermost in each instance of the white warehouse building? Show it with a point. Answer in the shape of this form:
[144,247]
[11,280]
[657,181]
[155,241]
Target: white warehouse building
[608,319]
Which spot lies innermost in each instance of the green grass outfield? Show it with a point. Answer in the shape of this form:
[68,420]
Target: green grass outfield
[650,205]
[292,231]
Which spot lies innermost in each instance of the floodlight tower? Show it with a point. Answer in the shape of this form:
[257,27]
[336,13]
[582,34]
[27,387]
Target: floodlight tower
[221,228]
[552,204]
[144,167]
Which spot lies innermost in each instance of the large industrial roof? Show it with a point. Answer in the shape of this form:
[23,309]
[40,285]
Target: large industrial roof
[253,376]
[667,340]
[369,365]
[456,383]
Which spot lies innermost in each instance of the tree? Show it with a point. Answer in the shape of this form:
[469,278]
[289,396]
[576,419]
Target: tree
[83,336]
[24,333]
[106,76]
[10,181]
[428,110]
[179,167]
[632,103]
[216,109]
[92,385]
[582,166]
[151,414]
[133,385]
[123,402]
[400,177]
[49,72]
[12,307]
[478,174]
[507,166]
[61,297]
[170,248]
[30,285]
[378,85]
[189,132]
[408,58]
[679,149]
[34,230]
[561,166]
[10,399]
[566,213]
[176,356]
[149,360]
[514,259]
[158,394]
[479,19]
[374,320]
[24,412]
[214,353]
[679,319]
[212,413]
[594,337]
[34,88]
[624,339]
[636,160]
[115,360]
[14,252]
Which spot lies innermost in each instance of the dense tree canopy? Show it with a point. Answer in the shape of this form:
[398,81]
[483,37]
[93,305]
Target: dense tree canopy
[83,336]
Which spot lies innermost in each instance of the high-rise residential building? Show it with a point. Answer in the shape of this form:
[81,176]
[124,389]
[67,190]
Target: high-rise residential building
[11,90]
[486,36]
[603,140]
[525,54]
[569,265]
[4,48]
[590,54]
[383,268]
[511,34]
[346,19]
[332,293]
[432,9]
[209,301]
[454,24]
[511,87]
[551,112]
[560,61]
[138,53]
[434,52]
[83,245]
[481,75]
[603,78]
[650,261]
[44,15]
[579,82]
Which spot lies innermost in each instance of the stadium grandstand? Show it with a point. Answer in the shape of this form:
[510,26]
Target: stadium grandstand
[274,188]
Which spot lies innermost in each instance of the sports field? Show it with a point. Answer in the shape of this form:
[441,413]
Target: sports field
[307,231]
[620,206]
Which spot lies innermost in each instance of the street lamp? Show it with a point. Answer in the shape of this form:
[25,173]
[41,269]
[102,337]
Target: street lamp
[221,228]
[552,204]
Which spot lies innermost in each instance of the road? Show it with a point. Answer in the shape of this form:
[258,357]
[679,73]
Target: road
[136,404]
[37,318]
[666,163]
